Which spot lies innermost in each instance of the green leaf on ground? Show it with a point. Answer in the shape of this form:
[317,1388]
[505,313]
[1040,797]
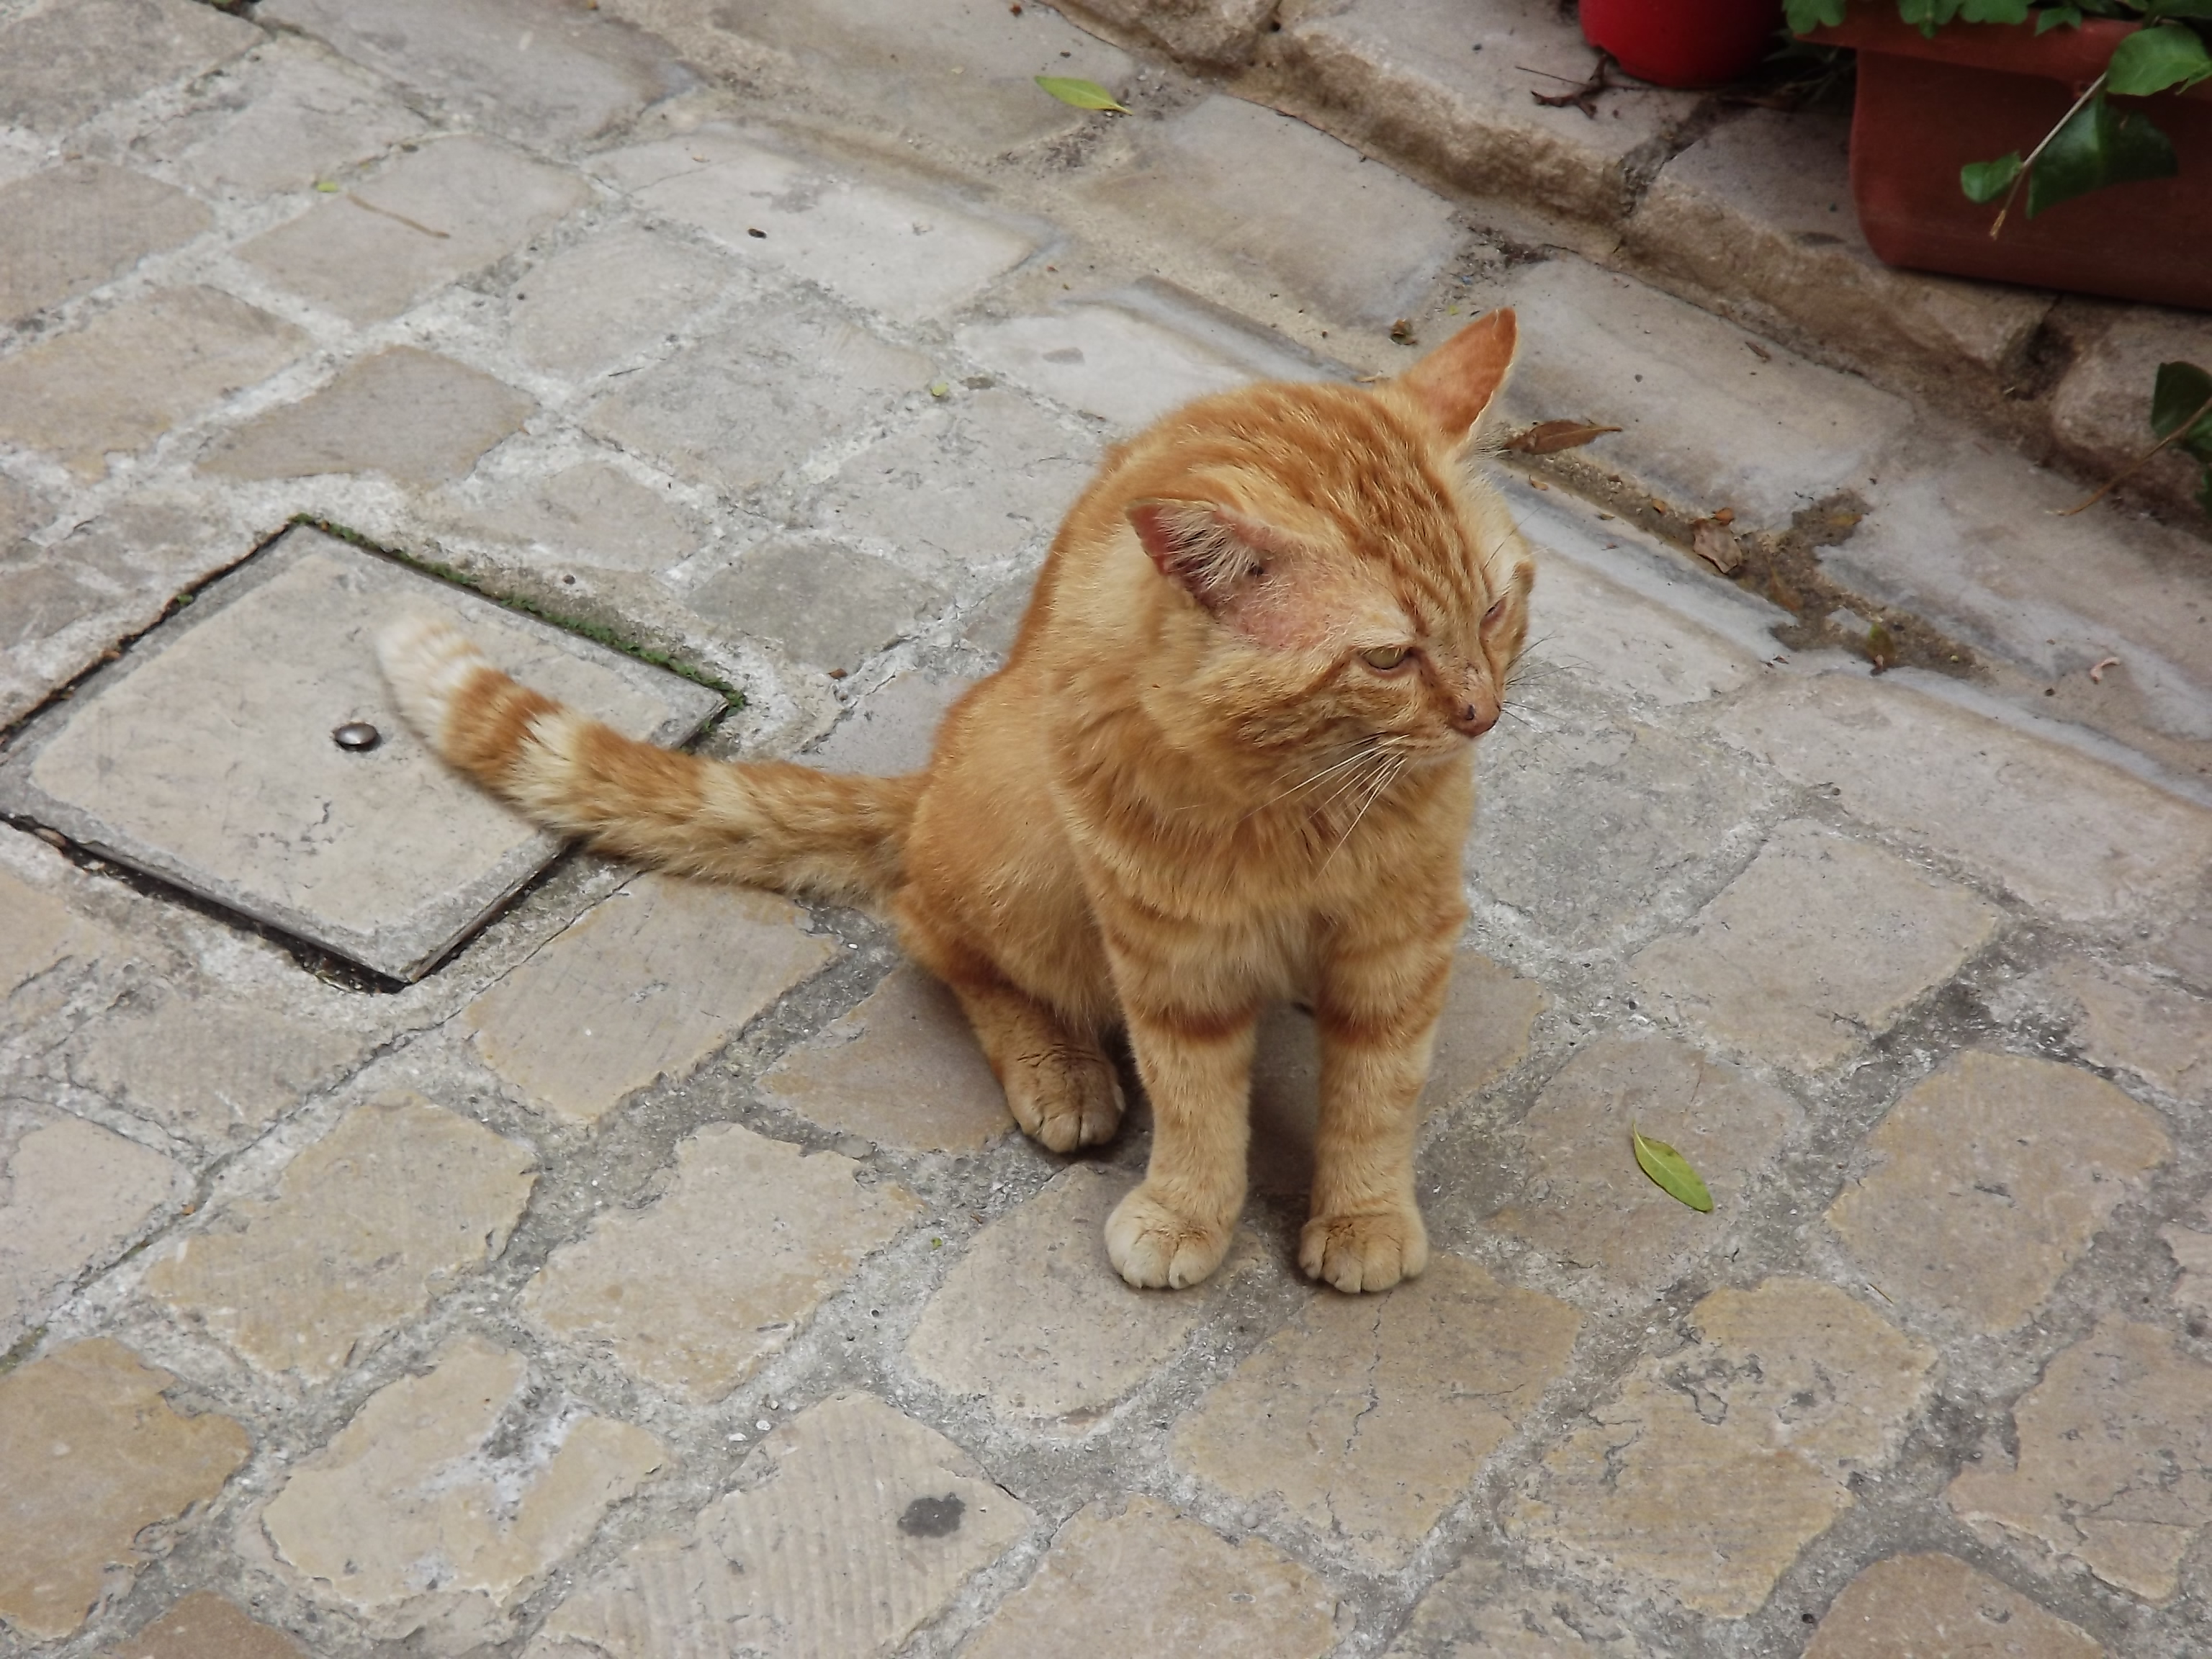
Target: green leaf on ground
[2098,146]
[2180,391]
[1806,15]
[1084,94]
[2152,59]
[1985,181]
[1671,1170]
[2057,17]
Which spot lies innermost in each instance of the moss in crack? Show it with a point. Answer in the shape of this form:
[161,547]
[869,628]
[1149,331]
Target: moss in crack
[599,633]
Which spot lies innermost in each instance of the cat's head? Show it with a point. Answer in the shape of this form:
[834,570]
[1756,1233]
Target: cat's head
[1332,573]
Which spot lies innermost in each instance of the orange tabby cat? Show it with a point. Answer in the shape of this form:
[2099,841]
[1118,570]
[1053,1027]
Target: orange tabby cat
[1227,762]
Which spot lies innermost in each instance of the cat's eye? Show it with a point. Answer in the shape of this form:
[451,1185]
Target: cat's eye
[1384,658]
[1491,616]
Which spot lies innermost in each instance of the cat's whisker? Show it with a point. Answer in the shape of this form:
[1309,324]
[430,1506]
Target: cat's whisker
[1303,783]
[1390,775]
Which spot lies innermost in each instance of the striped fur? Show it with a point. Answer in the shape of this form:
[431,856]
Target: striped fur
[1228,760]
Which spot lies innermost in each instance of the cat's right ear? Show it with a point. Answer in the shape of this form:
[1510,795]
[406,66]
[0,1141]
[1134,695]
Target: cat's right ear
[1458,381]
[1204,550]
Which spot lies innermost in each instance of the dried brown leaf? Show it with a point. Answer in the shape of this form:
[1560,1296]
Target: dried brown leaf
[1549,437]
[1716,543]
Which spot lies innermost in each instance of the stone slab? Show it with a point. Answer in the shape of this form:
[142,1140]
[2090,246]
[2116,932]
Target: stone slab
[2193,1254]
[853,1527]
[1366,1425]
[2114,1466]
[395,1204]
[827,603]
[90,1455]
[2125,1018]
[1404,77]
[1583,1196]
[1102,360]
[1988,1179]
[747,1237]
[902,253]
[1713,1467]
[38,930]
[413,415]
[2100,413]
[893,728]
[644,985]
[902,1070]
[1215,35]
[427,1524]
[548,76]
[1035,1321]
[68,62]
[1602,634]
[384,857]
[74,226]
[1924,1607]
[1238,189]
[1706,424]
[71,1194]
[612,297]
[1482,1035]
[1820,944]
[2068,833]
[1482,1610]
[441,212]
[133,373]
[204,1625]
[1135,1580]
[746,402]
[591,513]
[281,118]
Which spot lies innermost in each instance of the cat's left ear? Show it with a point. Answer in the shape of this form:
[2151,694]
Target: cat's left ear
[1458,381]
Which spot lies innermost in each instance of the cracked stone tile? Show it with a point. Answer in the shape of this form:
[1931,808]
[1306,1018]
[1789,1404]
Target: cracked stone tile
[364,1228]
[903,1069]
[1714,1466]
[892,729]
[2125,1018]
[1035,1320]
[589,513]
[904,254]
[204,1625]
[413,415]
[1921,1606]
[69,62]
[1820,944]
[1482,1035]
[608,298]
[441,212]
[91,1456]
[644,985]
[38,932]
[746,402]
[2068,833]
[280,119]
[2192,1253]
[71,1193]
[1990,1179]
[420,1522]
[137,372]
[746,1238]
[1144,1582]
[826,603]
[74,226]
[1481,1610]
[549,76]
[1365,1418]
[1582,1197]
[852,1526]
[2115,1463]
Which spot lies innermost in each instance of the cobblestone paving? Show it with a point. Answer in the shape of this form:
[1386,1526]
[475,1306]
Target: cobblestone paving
[661,1275]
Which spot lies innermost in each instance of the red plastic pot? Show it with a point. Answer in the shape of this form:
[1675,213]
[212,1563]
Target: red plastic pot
[1976,91]
[1684,43]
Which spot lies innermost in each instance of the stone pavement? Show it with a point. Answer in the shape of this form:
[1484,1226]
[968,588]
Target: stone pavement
[657,1272]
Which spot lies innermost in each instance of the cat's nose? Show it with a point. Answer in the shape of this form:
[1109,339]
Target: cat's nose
[1476,718]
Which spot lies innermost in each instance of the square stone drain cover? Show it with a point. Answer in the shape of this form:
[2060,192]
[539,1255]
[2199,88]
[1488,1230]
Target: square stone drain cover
[206,757]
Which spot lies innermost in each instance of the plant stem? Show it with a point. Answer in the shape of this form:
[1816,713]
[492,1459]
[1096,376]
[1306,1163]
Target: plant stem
[2028,166]
[2136,466]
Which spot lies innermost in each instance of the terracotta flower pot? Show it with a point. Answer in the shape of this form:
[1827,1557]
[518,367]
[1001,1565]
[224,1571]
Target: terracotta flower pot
[1684,43]
[1975,91]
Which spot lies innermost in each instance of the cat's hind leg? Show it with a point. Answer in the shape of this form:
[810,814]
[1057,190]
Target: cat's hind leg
[1060,1085]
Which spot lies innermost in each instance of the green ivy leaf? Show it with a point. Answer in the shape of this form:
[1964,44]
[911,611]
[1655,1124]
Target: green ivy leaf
[1671,1170]
[1928,15]
[2179,392]
[2098,146]
[1084,94]
[2057,17]
[1994,11]
[1806,15]
[2158,9]
[2152,59]
[1985,181]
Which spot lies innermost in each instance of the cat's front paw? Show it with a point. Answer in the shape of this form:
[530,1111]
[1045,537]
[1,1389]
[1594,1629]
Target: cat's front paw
[1065,1100]
[1367,1252]
[1153,1246]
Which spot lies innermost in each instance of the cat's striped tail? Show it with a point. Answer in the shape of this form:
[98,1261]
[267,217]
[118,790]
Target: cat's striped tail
[766,825]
